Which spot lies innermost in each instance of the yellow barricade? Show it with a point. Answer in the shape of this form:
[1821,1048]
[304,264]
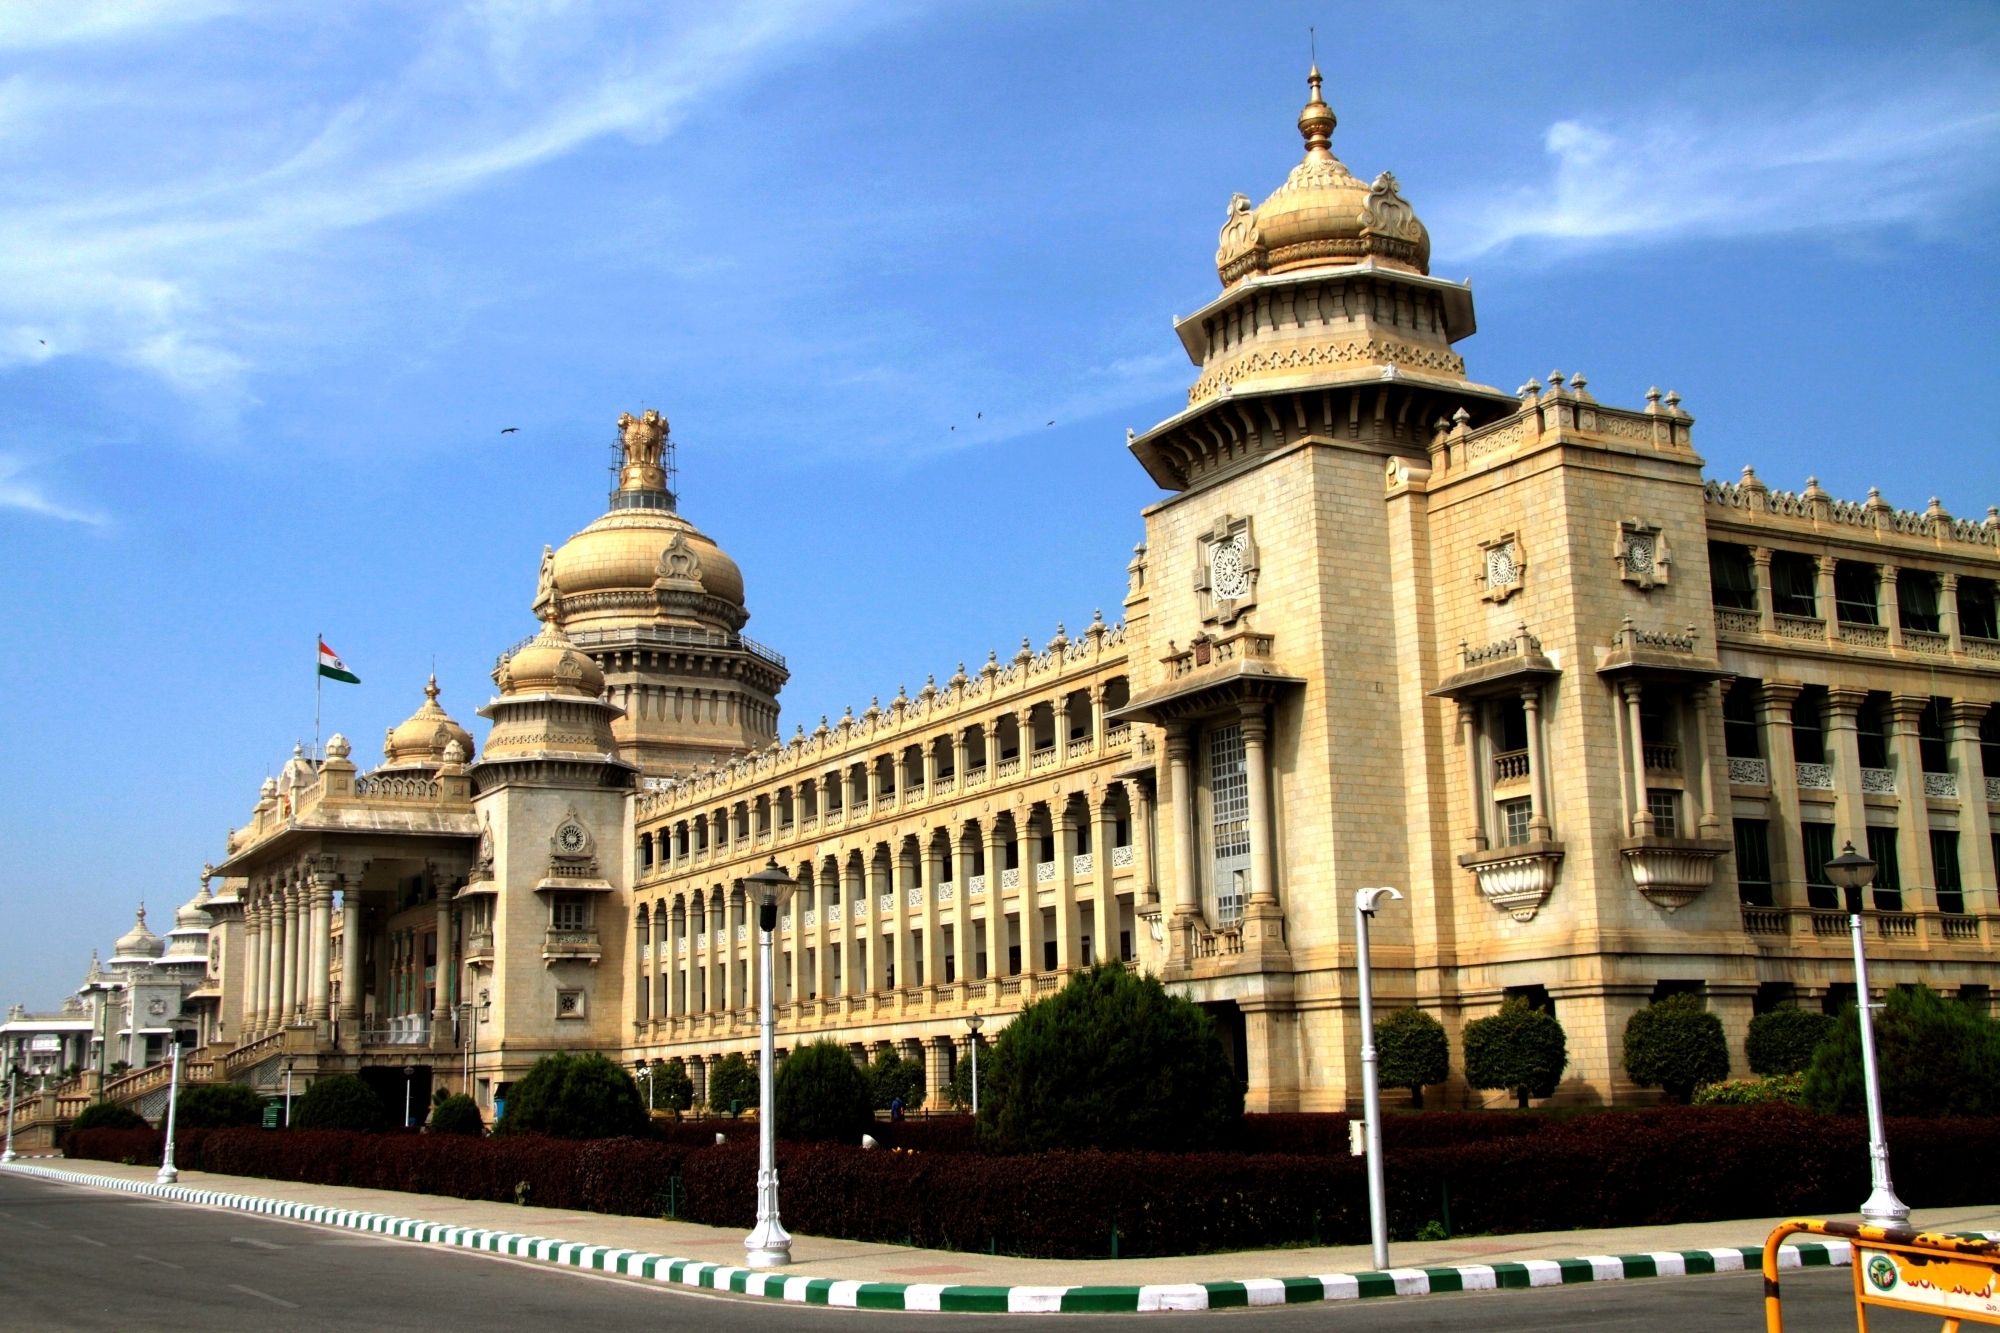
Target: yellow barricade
[1957,1277]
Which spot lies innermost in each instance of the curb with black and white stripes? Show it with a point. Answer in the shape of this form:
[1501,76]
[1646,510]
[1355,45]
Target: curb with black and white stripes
[992,1300]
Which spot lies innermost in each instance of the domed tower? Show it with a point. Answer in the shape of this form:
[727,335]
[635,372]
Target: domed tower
[421,742]
[659,608]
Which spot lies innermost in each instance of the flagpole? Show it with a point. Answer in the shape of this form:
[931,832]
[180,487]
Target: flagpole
[317,679]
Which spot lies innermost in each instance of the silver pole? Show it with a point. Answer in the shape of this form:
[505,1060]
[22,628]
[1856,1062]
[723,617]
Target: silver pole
[168,1175]
[770,1245]
[975,1076]
[10,1154]
[1365,901]
[1883,1208]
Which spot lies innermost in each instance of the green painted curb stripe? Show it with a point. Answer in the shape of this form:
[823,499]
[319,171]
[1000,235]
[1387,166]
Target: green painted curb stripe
[998,1300]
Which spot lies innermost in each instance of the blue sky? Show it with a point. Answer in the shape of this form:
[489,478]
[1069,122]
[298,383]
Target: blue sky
[274,277]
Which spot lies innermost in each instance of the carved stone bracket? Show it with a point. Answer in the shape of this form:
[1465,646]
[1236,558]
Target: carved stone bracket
[1516,880]
[1672,871]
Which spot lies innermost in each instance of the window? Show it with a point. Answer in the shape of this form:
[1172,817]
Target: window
[1870,734]
[569,912]
[1753,862]
[1978,616]
[1944,859]
[1730,578]
[1663,803]
[1515,816]
[1931,736]
[1816,841]
[1809,726]
[1989,742]
[1794,584]
[1854,587]
[569,1004]
[1229,798]
[1536,997]
[1739,720]
[1917,600]
[1888,875]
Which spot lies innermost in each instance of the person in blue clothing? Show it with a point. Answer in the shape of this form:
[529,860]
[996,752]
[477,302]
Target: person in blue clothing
[896,1108]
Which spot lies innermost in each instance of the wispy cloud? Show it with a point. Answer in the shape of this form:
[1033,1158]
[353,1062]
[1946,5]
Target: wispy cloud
[31,24]
[1744,165]
[184,198]
[18,492]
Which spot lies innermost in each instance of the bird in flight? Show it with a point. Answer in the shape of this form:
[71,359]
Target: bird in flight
[509,430]
[1052,423]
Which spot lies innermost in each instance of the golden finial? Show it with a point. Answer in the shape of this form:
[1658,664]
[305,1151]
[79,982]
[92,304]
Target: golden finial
[1316,122]
[431,690]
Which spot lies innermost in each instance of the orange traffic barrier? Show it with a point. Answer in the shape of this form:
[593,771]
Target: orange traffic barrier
[1930,1272]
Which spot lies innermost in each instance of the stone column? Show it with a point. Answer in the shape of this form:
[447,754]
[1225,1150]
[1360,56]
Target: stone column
[824,939]
[1069,930]
[929,755]
[446,967]
[674,1003]
[353,985]
[962,915]
[958,769]
[251,1023]
[1767,601]
[1711,822]
[1844,748]
[1180,769]
[1097,718]
[1475,777]
[1147,888]
[898,921]
[1948,612]
[319,992]
[1103,833]
[661,937]
[1539,829]
[1824,600]
[1975,837]
[1642,816]
[642,982]
[1913,824]
[932,925]
[995,911]
[288,995]
[854,980]
[274,958]
[1030,904]
[1788,857]
[1889,603]
[1255,726]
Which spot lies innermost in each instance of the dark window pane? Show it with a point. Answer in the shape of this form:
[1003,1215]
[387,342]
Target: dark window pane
[1944,860]
[1917,599]
[1888,874]
[1931,735]
[1794,584]
[1816,840]
[1808,723]
[1753,862]
[1870,732]
[1977,613]
[1730,578]
[1854,593]
[1739,720]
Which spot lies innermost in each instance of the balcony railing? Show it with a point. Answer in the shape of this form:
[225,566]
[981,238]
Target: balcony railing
[1510,766]
[1662,758]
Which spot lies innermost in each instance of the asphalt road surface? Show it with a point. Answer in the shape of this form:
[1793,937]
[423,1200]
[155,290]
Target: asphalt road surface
[81,1259]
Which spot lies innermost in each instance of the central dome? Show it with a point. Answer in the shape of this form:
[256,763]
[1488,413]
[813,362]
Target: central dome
[1322,215]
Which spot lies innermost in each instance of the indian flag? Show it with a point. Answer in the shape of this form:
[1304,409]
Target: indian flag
[332,667]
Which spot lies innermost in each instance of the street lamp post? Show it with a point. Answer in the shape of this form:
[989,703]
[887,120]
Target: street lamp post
[1365,903]
[1854,872]
[769,1246]
[10,1154]
[168,1174]
[288,1094]
[974,1022]
[646,1072]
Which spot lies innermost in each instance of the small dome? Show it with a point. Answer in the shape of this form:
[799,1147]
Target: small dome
[193,915]
[1322,215]
[138,945]
[425,737]
[550,664]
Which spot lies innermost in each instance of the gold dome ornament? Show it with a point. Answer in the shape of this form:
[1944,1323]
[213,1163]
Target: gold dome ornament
[550,664]
[1322,215]
[423,738]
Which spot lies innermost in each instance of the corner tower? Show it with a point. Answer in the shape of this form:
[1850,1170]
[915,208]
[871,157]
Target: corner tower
[659,607]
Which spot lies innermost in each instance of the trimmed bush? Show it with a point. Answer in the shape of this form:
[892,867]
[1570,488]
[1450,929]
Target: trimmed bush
[1520,1049]
[1676,1045]
[217,1106]
[732,1085]
[457,1114]
[893,1076]
[1935,1057]
[1783,1040]
[672,1089]
[822,1096]
[340,1101]
[108,1115]
[135,1147]
[1782,1088]
[575,1097]
[1111,1061]
[1411,1051]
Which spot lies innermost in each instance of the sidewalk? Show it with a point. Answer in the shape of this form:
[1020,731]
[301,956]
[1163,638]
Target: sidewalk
[844,1272]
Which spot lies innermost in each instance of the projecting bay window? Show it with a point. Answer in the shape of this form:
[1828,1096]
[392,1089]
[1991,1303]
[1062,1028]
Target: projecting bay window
[1229,825]
[1664,805]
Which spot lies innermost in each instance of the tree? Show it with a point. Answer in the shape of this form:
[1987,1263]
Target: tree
[1110,1061]
[1411,1051]
[1783,1040]
[108,1115]
[823,1096]
[1934,1056]
[1677,1045]
[575,1097]
[894,1076]
[217,1106]
[673,1090]
[732,1085]
[457,1114]
[340,1101]
[1519,1048]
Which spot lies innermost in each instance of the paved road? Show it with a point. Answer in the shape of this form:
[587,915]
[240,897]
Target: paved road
[79,1259]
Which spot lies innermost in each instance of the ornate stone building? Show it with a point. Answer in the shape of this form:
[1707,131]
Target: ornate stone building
[1601,721]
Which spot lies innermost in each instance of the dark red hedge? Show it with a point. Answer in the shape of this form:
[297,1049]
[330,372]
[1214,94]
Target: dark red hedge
[1664,1166]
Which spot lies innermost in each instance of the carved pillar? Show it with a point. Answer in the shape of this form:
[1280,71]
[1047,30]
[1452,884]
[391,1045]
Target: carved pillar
[319,991]
[1029,906]
[1975,838]
[1147,886]
[899,922]
[274,957]
[1788,858]
[1948,612]
[642,963]
[995,914]
[675,1002]
[353,984]
[1180,770]
[1913,824]
[251,1023]
[1255,725]
[1062,823]
[1767,602]
[1889,600]
[1711,823]
[1097,718]
[958,761]
[1538,801]
[931,928]
[854,979]
[1824,600]
[961,915]
[1844,747]
[288,994]
[446,967]
[1103,834]
[930,767]
[1475,774]
[1642,816]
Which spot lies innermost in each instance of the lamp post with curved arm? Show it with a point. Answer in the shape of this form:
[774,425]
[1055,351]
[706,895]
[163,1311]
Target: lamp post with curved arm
[769,1245]
[1854,872]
